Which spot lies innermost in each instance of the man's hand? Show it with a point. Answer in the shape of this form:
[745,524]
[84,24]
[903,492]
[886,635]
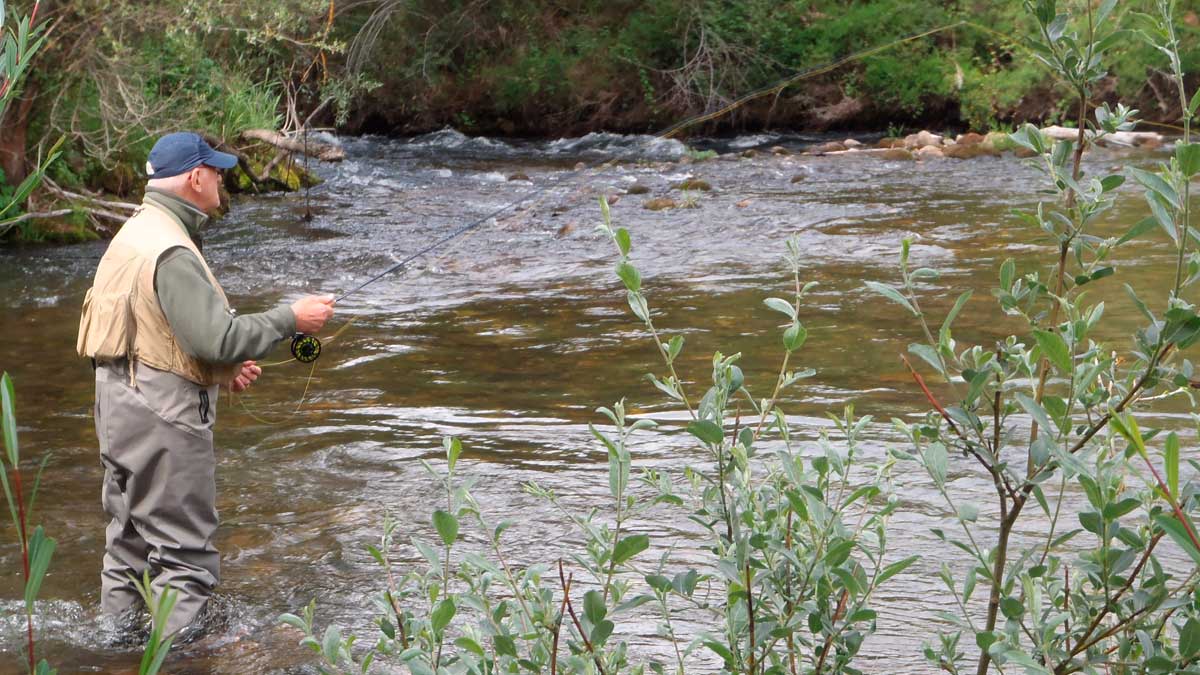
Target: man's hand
[248,374]
[312,312]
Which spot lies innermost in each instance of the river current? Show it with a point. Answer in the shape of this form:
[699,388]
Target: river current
[510,338]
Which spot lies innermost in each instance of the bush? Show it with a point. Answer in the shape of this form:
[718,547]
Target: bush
[798,546]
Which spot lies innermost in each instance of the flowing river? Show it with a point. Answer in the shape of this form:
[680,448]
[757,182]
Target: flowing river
[510,338]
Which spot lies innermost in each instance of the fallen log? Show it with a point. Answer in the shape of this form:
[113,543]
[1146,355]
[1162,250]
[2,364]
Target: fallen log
[243,161]
[1149,139]
[323,151]
[75,196]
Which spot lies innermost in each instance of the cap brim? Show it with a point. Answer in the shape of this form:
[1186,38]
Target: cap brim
[220,160]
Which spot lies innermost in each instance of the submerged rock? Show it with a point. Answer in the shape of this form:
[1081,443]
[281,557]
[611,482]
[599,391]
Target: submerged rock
[693,184]
[930,152]
[998,141]
[750,154]
[967,151]
[831,146]
[780,151]
[637,189]
[922,139]
[800,177]
[518,176]
[660,204]
[897,154]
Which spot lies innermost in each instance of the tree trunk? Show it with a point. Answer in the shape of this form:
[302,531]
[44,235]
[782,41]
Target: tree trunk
[14,132]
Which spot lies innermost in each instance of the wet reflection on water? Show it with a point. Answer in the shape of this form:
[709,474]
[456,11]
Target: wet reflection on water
[510,339]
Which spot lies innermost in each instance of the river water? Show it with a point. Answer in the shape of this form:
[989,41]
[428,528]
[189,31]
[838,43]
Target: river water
[510,338]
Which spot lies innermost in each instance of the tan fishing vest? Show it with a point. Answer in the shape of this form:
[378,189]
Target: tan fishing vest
[121,315]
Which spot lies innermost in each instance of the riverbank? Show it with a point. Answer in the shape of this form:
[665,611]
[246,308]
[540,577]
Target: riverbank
[523,69]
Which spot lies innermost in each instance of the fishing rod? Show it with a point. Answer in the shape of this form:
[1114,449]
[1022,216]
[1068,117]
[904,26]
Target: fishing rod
[306,348]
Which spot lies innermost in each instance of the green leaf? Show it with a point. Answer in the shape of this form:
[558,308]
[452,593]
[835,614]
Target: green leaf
[1008,273]
[630,276]
[1189,639]
[1036,411]
[707,431]
[1155,183]
[331,642]
[862,615]
[1127,505]
[469,645]
[41,549]
[1137,302]
[629,547]
[1178,534]
[958,305]
[623,241]
[984,639]
[447,526]
[929,355]
[593,607]
[453,448]
[637,304]
[1162,216]
[8,419]
[896,568]
[505,646]
[794,337]
[1012,608]
[936,462]
[968,512]
[1111,182]
[674,347]
[376,554]
[504,525]
[1141,227]
[1172,462]
[1030,138]
[293,621]
[782,306]
[1188,156]
[1127,426]
[659,583]
[1054,348]
[892,294]
[442,614]
[723,652]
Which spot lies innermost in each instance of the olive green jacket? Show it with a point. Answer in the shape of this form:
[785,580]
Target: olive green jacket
[194,308]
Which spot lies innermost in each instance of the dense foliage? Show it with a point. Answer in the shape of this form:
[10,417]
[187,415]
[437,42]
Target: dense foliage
[113,74]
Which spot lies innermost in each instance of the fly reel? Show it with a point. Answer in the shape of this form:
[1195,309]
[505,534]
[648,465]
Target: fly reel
[306,348]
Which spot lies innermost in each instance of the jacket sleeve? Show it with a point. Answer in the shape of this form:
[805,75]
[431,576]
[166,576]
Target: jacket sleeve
[202,326]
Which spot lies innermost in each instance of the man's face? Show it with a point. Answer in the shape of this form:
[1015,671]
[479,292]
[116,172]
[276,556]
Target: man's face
[204,184]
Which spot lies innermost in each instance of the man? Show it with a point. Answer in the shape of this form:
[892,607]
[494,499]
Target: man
[163,338]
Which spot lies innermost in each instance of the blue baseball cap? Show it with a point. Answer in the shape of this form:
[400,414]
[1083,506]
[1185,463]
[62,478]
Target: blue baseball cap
[183,151]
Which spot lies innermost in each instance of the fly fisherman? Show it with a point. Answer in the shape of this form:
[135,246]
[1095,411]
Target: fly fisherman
[162,338]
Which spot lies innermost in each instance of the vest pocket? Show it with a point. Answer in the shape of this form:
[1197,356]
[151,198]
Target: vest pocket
[106,326]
